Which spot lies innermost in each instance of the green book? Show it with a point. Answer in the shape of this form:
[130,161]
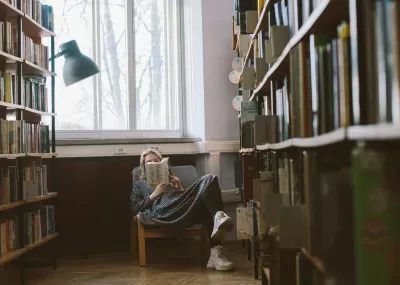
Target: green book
[376,210]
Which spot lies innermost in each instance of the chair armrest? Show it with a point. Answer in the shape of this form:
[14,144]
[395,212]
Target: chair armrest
[135,218]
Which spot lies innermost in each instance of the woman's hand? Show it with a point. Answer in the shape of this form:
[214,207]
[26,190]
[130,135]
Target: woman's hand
[176,183]
[160,190]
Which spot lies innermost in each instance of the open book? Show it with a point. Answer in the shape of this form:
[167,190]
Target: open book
[157,172]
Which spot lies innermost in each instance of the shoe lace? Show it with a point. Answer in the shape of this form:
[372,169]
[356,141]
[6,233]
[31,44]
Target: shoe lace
[221,254]
[221,215]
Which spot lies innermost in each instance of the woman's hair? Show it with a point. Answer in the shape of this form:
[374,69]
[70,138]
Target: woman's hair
[142,168]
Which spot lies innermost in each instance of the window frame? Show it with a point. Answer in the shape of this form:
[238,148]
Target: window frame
[132,132]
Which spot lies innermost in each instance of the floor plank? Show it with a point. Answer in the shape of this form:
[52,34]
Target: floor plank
[169,267]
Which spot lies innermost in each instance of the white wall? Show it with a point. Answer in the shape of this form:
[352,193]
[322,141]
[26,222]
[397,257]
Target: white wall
[208,36]
[209,51]
[221,123]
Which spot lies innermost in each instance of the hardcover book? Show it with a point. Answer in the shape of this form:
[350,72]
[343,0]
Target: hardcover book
[157,172]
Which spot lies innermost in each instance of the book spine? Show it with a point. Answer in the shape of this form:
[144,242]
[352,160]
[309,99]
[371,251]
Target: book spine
[376,219]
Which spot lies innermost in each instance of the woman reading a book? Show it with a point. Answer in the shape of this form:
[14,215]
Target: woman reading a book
[176,207]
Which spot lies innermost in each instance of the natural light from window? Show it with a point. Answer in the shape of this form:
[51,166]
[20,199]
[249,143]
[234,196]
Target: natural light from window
[130,98]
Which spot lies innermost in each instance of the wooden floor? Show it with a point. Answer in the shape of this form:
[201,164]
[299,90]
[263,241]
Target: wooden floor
[164,268]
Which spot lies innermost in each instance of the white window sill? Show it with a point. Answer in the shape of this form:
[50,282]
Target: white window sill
[112,141]
[91,149]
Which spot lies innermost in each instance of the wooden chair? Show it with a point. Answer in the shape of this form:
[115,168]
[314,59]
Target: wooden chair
[143,228]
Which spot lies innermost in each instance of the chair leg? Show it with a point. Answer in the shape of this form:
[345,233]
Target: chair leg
[204,245]
[134,238]
[142,244]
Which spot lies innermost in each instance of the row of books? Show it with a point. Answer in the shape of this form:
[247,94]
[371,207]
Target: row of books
[35,94]
[267,45]
[320,84]
[317,97]
[292,13]
[353,210]
[34,91]
[346,213]
[8,235]
[35,53]
[9,185]
[242,6]
[31,51]
[320,81]
[13,3]
[22,137]
[328,195]
[262,129]
[379,64]
[8,38]
[41,13]
[284,20]
[34,183]
[39,224]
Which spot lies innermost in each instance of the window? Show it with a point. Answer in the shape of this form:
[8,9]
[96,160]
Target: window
[137,46]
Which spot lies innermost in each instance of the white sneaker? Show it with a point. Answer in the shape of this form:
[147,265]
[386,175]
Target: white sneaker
[218,259]
[274,231]
[222,224]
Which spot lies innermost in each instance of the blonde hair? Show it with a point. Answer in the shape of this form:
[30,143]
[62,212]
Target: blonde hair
[142,168]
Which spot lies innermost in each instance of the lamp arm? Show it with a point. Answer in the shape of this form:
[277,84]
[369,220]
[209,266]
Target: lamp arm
[61,53]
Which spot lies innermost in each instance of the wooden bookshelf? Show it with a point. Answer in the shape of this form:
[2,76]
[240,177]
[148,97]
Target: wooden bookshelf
[329,104]
[262,20]
[41,113]
[10,256]
[34,30]
[32,201]
[41,242]
[25,109]
[265,279]
[326,139]
[246,150]
[325,12]
[42,155]
[12,156]
[7,10]
[318,263]
[5,57]
[42,198]
[17,155]
[30,68]
[10,106]
[266,272]
[12,205]
[380,132]
[26,211]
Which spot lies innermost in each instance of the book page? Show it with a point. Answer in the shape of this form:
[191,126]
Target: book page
[157,172]
[153,171]
[165,170]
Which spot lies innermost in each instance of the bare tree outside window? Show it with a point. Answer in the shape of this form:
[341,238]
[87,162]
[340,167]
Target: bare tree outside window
[101,30]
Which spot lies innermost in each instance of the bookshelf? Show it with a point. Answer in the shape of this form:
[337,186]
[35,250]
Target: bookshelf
[320,140]
[10,256]
[326,11]
[27,146]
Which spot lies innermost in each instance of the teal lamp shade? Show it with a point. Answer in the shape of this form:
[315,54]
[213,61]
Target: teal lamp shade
[77,66]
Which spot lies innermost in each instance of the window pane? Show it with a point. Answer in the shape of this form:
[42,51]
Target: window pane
[114,65]
[74,104]
[156,65]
